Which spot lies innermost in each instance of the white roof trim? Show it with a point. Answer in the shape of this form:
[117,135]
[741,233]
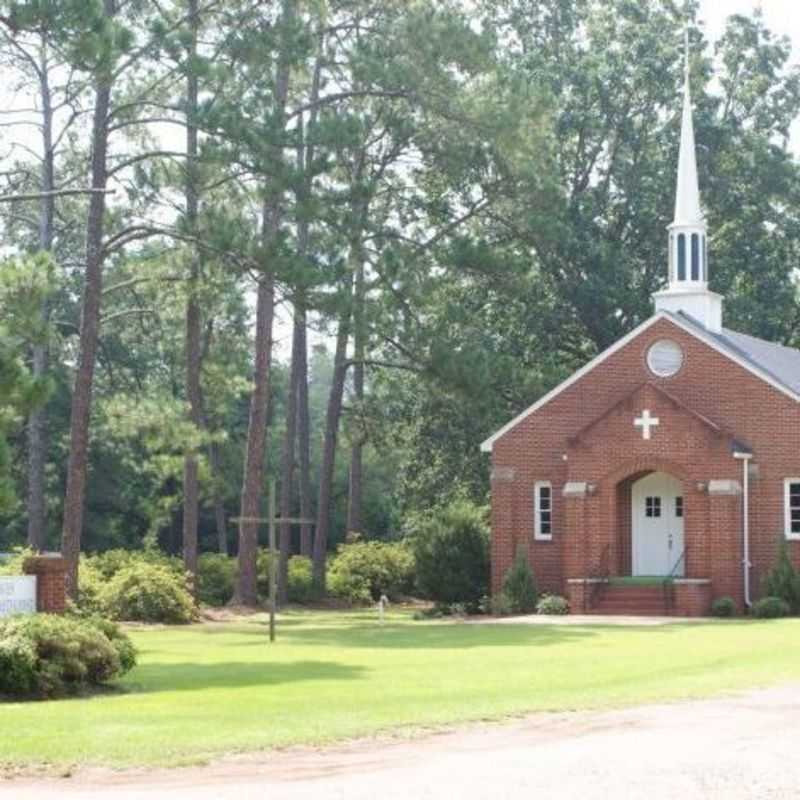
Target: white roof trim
[486,447]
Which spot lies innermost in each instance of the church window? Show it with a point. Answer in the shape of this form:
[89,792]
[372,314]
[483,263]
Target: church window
[679,507]
[665,358]
[681,256]
[652,507]
[695,257]
[792,507]
[543,511]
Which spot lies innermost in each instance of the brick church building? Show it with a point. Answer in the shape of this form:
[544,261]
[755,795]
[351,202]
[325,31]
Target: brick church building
[666,471]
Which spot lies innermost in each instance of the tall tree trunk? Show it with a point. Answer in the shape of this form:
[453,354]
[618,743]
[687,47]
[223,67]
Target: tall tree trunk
[90,328]
[37,422]
[252,485]
[288,467]
[355,494]
[303,434]
[332,417]
[220,517]
[191,491]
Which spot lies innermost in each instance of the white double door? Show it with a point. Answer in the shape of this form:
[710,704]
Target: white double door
[657,525]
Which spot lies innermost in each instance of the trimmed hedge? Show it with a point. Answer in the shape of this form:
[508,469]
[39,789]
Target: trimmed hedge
[363,571]
[148,593]
[771,608]
[723,607]
[45,655]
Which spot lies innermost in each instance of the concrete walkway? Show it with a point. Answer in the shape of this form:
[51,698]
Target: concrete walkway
[734,748]
[586,619]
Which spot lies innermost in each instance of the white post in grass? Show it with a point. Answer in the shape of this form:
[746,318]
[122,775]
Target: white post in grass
[382,603]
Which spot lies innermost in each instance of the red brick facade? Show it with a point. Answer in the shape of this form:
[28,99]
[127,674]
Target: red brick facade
[585,434]
[51,585]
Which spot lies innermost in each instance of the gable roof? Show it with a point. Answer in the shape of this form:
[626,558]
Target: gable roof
[774,364]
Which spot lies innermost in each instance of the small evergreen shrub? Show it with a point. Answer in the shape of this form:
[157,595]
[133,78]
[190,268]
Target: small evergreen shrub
[783,580]
[552,605]
[361,572]
[216,577]
[148,593]
[723,607]
[451,548]
[500,605]
[771,608]
[46,655]
[519,586]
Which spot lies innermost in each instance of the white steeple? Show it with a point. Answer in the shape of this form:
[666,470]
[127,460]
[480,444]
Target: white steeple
[688,249]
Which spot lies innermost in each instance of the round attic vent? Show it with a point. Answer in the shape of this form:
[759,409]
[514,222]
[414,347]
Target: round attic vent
[665,358]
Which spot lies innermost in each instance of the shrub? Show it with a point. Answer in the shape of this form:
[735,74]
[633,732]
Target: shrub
[783,580]
[46,655]
[363,571]
[216,577]
[98,569]
[300,589]
[519,586]
[147,593]
[452,554]
[14,565]
[771,608]
[552,604]
[723,607]
[500,605]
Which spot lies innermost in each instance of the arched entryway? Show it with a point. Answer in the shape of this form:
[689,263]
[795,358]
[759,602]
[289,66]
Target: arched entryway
[657,526]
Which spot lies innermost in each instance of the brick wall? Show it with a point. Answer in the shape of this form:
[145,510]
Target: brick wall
[51,587]
[586,433]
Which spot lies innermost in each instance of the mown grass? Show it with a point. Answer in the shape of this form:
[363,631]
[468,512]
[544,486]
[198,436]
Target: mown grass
[207,690]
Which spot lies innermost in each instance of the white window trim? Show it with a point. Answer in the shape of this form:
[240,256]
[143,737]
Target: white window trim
[537,516]
[787,517]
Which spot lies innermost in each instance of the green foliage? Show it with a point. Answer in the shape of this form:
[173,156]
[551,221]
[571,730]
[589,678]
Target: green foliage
[216,578]
[519,586]
[783,579]
[451,548]
[499,605]
[723,607]
[552,604]
[770,608]
[363,571]
[43,655]
[300,587]
[24,286]
[147,593]
[97,570]
[14,565]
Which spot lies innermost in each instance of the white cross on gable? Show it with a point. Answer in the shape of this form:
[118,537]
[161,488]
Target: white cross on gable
[647,423]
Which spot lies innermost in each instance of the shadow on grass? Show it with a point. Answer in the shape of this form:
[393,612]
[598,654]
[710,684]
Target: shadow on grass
[189,676]
[437,636]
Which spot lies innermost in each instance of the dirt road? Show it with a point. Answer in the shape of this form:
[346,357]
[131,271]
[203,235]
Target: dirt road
[747,746]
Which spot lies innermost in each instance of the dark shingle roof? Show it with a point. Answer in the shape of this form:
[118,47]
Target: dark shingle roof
[780,363]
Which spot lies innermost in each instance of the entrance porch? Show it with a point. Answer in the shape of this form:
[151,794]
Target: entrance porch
[644,564]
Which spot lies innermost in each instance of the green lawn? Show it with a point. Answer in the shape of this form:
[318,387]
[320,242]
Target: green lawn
[217,688]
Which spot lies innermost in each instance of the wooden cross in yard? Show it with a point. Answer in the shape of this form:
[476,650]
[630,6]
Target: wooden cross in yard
[271,519]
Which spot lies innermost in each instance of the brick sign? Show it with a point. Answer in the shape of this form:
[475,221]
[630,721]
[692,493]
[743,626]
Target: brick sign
[17,595]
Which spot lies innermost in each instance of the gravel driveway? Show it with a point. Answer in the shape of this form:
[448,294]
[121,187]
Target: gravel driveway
[744,746]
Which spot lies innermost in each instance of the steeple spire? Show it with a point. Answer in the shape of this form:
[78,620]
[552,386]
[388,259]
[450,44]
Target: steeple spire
[687,201]
[688,292]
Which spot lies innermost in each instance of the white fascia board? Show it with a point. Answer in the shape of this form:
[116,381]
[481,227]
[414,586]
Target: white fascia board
[746,365]
[486,447]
